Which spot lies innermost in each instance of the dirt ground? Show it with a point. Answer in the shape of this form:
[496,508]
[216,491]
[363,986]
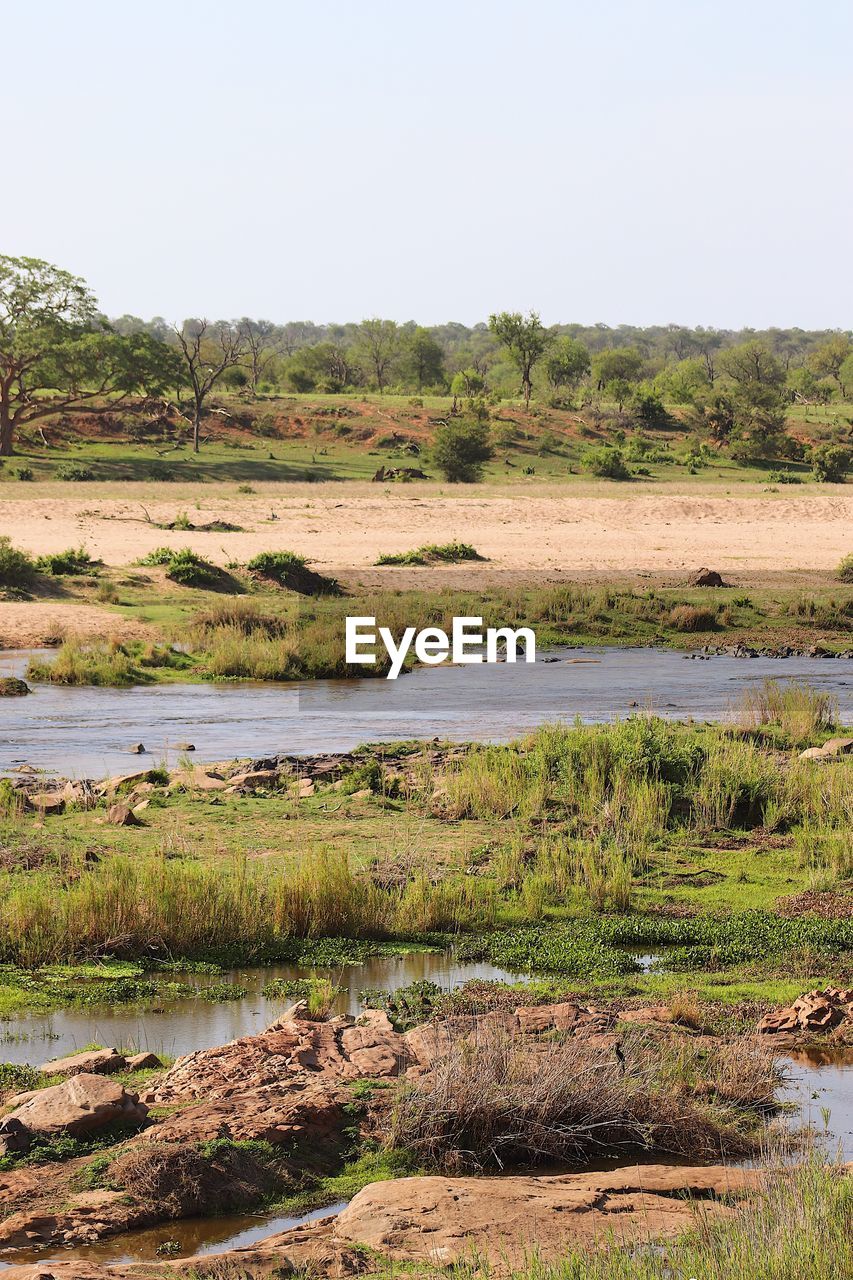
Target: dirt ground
[542,530]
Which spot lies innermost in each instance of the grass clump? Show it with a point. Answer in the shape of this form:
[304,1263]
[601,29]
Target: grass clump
[800,712]
[845,569]
[74,471]
[78,662]
[493,1099]
[17,569]
[433,553]
[291,571]
[68,563]
[691,617]
[238,614]
[185,567]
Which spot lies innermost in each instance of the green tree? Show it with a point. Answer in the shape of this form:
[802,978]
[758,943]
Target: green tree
[378,342]
[828,360]
[568,362]
[756,386]
[207,350]
[830,463]
[460,449]
[58,355]
[467,382]
[262,344]
[423,358]
[526,339]
[617,365]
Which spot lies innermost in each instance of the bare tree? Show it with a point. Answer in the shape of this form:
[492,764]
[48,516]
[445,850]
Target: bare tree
[262,341]
[207,350]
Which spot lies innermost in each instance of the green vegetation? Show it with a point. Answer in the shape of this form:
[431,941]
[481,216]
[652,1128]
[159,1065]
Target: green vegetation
[431,553]
[69,563]
[16,567]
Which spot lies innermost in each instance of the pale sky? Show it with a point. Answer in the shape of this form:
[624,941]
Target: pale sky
[638,161]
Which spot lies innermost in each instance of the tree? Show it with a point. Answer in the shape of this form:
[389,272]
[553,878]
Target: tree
[262,343]
[526,339]
[617,365]
[58,355]
[828,360]
[461,447]
[756,385]
[207,351]
[379,340]
[424,358]
[567,363]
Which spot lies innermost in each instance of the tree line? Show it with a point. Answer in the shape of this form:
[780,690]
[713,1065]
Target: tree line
[59,353]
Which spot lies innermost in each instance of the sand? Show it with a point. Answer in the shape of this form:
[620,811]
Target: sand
[341,528]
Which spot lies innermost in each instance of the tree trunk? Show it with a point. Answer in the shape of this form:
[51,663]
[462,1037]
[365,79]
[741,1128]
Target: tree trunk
[197,428]
[527,389]
[6,449]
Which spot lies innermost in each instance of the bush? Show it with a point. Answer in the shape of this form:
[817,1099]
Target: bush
[830,463]
[22,473]
[291,571]
[447,553]
[845,569]
[460,450]
[606,463]
[16,567]
[66,563]
[74,471]
[191,570]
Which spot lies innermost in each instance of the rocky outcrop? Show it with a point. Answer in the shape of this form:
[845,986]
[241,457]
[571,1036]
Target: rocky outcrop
[816,1011]
[101,1062]
[11,687]
[81,1105]
[706,578]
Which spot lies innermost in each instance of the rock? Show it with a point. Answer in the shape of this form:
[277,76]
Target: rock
[815,1011]
[80,1105]
[503,1221]
[47,801]
[651,1013]
[14,1137]
[10,687]
[266,778]
[831,750]
[102,1062]
[184,746]
[124,781]
[121,815]
[560,1017]
[136,749]
[196,779]
[706,578]
[143,1062]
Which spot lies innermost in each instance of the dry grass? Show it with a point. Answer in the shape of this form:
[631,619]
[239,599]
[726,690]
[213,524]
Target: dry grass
[496,1098]
[801,712]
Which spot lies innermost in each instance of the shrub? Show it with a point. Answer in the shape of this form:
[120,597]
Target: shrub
[845,569]
[77,663]
[606,463]
[460,450]
[74,471]
[22,473]
[191,570]
[67,563]
[16,567]
[830,463]
[242,615]
[291,571]
[447,553]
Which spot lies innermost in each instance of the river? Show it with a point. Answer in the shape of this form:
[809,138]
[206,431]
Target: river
[86,732]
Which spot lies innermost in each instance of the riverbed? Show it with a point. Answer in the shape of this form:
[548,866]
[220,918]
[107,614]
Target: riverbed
[86,732]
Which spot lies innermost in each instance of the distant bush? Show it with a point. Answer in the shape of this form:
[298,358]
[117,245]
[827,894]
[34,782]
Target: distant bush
[22,473]
[606,463]
[76,663]
[291,571]
[191,570]
[845,569]
[784,477]
[16,567]
[830,463]
[74,471]
[66,563]
[160,555]
[460,450]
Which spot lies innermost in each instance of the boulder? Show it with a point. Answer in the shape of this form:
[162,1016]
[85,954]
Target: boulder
[560,1017]
[196,779]
[79,1106]
[184,746]
[121,815]
[831,750]
[143,1062]
[47,801]
[136,749]
[14,1137]
[266,778]
[815,1011]
[102,1062]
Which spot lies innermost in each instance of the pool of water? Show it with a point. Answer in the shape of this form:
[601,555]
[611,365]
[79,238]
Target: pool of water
[86,732]
[180,1026]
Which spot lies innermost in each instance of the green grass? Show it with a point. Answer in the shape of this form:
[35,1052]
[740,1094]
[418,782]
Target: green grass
[431,553]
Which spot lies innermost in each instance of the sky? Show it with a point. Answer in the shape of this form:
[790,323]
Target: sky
[616,161]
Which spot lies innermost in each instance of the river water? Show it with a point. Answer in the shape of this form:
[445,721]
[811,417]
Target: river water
[86,732]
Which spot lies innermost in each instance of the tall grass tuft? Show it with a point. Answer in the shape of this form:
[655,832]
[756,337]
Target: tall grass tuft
[801,712]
